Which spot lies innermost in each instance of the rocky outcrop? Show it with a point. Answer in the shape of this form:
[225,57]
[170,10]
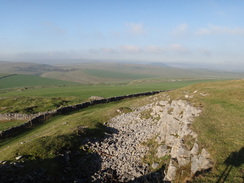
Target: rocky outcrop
[169,124]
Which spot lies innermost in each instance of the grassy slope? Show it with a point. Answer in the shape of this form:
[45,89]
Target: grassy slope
[29,80]
[220,127]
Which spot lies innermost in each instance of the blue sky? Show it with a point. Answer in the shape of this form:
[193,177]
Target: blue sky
[200,32]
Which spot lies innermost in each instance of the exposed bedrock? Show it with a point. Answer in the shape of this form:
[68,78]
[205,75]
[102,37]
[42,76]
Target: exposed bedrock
[168,126]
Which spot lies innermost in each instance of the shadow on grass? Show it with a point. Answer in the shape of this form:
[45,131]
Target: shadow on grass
[70,164]
[153,177]
[235,159]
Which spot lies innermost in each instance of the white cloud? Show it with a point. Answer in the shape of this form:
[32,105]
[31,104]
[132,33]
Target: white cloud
[109,50]
[155,49]
[178,48]
[151,49]
[213,29]
[180,30]
[130,49]
[136,28]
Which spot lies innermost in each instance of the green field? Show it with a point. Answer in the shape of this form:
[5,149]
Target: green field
[29,80]
[116,75]
[1,75]
[40,99]
[219,128]
[106,90]
[30,100]
[102,72]
[32,105]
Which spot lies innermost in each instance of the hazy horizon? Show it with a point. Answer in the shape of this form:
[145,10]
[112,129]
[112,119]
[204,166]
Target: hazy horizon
[205,34]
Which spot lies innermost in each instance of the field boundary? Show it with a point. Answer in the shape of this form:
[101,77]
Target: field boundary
[16,130]
[8,76]
[17,116]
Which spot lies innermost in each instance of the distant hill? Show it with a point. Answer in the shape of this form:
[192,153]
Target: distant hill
[103,72]
[113,72]
[25,68]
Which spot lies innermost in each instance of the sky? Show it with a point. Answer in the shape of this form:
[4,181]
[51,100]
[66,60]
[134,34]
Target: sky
[198,32]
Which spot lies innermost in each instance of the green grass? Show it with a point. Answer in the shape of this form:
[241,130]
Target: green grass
[108,90]
[4,125]
[61,126]
[29,80]
[40,99]
[1,75]
[116,74]
[32,105]
[220,126]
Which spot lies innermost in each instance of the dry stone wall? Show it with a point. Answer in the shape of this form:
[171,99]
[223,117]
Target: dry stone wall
[42,117]
[17,116]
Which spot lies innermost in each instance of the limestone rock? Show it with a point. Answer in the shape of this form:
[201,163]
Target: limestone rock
[169,122]
[171,172]
[162,151]
[201,162]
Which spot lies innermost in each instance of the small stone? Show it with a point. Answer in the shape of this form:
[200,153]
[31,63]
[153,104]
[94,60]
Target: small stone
[18,157]
[162,151]
[3,162]
[18,165]
[155,165]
